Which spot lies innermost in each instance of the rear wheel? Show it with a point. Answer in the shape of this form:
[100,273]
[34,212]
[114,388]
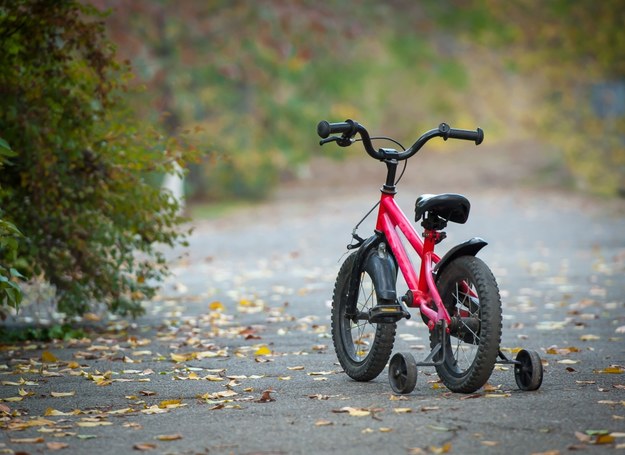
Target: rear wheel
[362,348]
[469,292]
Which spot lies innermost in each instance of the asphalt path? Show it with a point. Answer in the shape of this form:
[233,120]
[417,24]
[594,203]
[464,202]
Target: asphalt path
[235,355]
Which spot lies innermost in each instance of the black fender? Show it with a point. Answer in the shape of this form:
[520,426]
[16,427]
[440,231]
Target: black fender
[469,248]
[380,263]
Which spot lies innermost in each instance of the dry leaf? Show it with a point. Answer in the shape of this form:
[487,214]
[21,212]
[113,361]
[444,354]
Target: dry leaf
[402,410]
[48,357]
[216,306]
[57,445]
[444,449]
[612,369]
[323,423]
[62,394]
[266,397]
[144,446]
[562,351]
[27,440]
[589,337]
[354,412]
[169,437]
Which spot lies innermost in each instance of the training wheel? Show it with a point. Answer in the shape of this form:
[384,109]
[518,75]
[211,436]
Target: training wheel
[528,370]
[402,373]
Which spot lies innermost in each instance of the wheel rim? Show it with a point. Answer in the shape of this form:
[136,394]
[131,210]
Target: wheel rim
[359,335]
[399,373]
[463,304]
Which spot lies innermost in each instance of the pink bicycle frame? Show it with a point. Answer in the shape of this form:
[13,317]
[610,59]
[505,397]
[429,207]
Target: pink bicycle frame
[423,288]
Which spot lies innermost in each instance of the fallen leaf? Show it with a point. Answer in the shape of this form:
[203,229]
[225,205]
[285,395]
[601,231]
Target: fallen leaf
[354,412]
[263,350]
[57,445]
[323,423]
[91,424]
[444,449]
[568,362]
[385,430]
[562,351]
[295,368]
[490,443]
[62,394]
[169,437]
[144,446]
[27,440]
[266,397]
[48,357]
[402,410]
[589,337]
[612,369]
[216,306]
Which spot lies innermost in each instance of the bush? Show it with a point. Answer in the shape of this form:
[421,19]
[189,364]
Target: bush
[76,184]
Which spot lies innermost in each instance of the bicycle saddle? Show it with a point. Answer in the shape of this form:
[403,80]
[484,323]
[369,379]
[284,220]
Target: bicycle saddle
[448,206]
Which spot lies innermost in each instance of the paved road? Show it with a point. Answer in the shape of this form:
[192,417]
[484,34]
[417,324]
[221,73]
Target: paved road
[236,357]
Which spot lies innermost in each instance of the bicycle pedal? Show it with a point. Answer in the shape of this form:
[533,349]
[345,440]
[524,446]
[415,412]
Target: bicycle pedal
[386,314]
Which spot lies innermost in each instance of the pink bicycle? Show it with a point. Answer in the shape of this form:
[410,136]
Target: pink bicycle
[457,295]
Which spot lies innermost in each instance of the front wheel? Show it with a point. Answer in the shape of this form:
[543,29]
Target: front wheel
[469,292]
[362,348]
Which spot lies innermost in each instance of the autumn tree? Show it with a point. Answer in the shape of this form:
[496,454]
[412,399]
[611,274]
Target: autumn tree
[573,53]
[75,186]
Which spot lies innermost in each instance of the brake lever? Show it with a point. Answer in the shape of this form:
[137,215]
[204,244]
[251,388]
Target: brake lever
[343,141]
[329,139]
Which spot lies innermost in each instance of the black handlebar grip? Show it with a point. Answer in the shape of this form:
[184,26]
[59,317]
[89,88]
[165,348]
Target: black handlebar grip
[324,129]
[476,136]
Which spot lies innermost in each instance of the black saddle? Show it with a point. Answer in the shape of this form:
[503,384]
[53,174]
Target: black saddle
[448,206]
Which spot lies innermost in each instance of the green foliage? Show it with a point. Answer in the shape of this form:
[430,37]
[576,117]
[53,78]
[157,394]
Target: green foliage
[258,76]
[568,49]
[10,292]
[75,184]
[41,333]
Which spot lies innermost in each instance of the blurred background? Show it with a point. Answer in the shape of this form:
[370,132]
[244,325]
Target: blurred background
[250,80]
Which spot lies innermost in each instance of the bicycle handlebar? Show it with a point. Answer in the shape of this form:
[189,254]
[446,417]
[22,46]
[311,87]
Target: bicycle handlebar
[349,128]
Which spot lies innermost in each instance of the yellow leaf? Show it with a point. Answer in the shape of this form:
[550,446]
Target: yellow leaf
[181,357]
[13,399]
[589,337]
[385,430]
[295,368]
[169,403]
[263,350]
[612,369]
[169,437]
[444,449]
[57,445]
[216,306]
[48,357]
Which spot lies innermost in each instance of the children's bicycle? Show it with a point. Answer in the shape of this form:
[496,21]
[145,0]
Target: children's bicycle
[456,295]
